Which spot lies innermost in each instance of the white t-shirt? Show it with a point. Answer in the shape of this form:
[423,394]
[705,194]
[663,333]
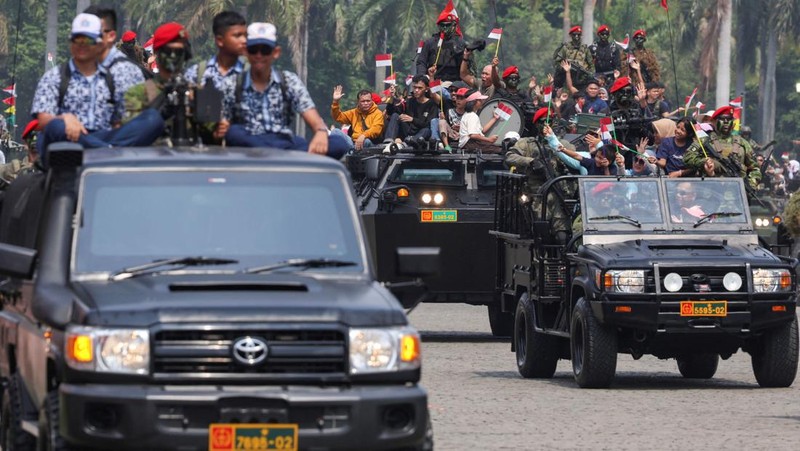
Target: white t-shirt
[470,125]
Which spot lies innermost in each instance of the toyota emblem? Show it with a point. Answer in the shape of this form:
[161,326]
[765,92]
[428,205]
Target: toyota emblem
[250,350]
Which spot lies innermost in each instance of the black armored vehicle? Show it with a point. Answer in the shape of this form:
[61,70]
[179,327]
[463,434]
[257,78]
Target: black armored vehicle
[155,298]
[428,198]
[668,267]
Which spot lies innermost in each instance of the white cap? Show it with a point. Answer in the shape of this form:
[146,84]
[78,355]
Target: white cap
[87,25]
[511,135]
[262,33]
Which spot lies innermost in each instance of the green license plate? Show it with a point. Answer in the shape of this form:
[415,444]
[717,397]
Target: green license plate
[704,308]
[262,437]
[438,216]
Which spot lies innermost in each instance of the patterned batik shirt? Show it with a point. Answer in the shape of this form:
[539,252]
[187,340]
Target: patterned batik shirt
[263,112]
[88,98]
[126,74]
[225,83]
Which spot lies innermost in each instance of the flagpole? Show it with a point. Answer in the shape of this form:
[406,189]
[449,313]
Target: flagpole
[497,48]
[438,52]
[672,51]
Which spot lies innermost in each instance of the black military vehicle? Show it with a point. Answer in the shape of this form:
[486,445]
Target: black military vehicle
[428,198]
[668,267]
[156,298]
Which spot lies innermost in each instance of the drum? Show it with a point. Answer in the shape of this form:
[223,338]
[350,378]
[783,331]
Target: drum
[514,123]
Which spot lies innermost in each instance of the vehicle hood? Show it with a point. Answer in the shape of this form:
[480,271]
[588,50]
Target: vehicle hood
[694,252]
[157,299]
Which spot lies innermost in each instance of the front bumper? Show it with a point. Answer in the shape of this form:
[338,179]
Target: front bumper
[177,417]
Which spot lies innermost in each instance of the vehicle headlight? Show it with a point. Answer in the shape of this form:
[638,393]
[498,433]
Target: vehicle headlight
[426,198]
[767,280]
[384,350]
[673,282]
[625,281]
[108,350]
[762,222]
[438,198]
[732,281]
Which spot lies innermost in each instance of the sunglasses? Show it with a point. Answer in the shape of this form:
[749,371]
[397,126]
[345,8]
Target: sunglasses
[514,77]
[83,41]
[264,50]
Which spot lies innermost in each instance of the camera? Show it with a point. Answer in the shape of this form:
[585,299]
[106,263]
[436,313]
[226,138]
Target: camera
[478,45]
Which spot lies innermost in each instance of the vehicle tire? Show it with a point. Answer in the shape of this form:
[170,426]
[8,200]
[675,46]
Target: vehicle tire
[593,348]
[501,323]
[775,356]
[699,366]
[14,438]
[49,437]
[537,353]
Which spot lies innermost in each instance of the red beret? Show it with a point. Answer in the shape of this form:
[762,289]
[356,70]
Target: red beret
[510,70]
[462,92]
[575,29]
[30,128]
[639,32]
[128,36]
[722,110]
[602,186]
[167,33]
[603,28]
[376,98]
[620,83]
[541,112]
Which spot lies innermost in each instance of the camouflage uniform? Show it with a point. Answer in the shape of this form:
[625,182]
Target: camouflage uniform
[648,65]
[526,156]
[580,56]
[15,168]
[732,146]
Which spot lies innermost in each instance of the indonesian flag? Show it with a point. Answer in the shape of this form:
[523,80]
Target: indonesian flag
[620,145]
[624,43]
[383,60]
[441,40]
[436,86]
[631,58]
[11,90]
[391,79]
[503,111]
[698,106]
[699,132]
[148,45]
[419,47]
[664,5]
[496,33]
[737,102]
[690,98]
[409,79]
[606,128]
[10,101]
[387,92]
[547,91]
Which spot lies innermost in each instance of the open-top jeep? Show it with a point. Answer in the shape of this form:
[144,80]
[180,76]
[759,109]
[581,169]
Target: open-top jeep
[668,267]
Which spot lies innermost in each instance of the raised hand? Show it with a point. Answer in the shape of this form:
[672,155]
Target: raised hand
[338,93]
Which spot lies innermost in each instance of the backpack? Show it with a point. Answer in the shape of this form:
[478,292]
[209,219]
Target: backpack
[287,104]
[66,75]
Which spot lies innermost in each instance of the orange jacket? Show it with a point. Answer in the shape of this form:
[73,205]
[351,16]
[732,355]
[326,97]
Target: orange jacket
[373,121]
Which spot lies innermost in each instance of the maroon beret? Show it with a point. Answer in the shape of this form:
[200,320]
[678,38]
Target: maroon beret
[167,33]
[620,83]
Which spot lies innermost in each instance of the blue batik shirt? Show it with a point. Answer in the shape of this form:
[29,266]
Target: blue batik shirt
[88,98]
[125,73]
[225,83]
[263,112]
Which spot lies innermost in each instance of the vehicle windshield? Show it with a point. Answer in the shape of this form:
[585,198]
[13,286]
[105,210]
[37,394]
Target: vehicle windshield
[254,218]
[697,202]
[429,173]
[630,202]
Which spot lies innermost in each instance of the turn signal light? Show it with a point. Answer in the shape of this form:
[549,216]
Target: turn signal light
[778,308]
[776,220]
[409,348]
[622,309]
[80,348]
[608,281]
[786,280]
[402,192]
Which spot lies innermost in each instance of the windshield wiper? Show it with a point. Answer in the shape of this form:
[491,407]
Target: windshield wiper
[624,218]
[300,263]
[717,214]
[134,271]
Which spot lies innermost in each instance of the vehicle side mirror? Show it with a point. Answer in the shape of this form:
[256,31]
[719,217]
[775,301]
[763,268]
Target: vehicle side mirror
[372,168]
[16,261]
[418,261]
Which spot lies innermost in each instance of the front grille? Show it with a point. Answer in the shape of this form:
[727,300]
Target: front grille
[705,279]
[289,352]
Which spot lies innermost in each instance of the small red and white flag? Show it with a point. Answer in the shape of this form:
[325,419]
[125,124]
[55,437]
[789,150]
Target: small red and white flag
[11,90]
[441,40]
[496,33]
[690,98]
[737,102]
[383,60]
[419,47]
[503,111]
[699,132]
[624,43]
[387,92]
[664,4]
[547,91]
[436,86]
[631,58]
[409,79]
[391,79]
[620,145]
[606,128]
[346,129]
[49,57]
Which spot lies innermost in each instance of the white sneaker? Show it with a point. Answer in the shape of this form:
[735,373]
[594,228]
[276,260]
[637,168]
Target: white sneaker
[388,148]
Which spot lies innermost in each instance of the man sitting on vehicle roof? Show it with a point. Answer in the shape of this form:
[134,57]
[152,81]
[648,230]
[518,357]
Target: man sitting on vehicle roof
[365,120]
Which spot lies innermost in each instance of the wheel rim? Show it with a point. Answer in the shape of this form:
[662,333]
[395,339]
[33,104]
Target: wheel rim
[522,330]
[577,347]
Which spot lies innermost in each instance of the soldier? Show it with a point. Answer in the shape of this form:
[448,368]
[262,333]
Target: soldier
[509,87]
[723,152]
[606,55]
[448,64]
[533,156]
[578,55]
[648,63]
[747,134]
[15,168]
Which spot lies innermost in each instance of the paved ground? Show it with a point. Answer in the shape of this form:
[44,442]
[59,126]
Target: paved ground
[479,401]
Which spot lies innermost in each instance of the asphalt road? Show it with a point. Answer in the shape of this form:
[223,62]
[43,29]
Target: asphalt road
[478,400]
